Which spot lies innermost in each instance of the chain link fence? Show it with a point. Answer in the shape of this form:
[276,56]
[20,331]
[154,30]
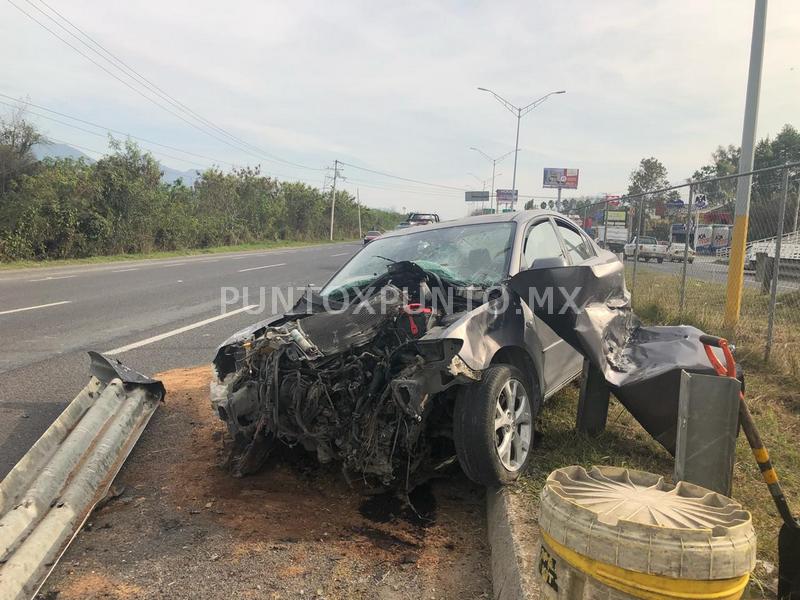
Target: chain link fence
[676,243]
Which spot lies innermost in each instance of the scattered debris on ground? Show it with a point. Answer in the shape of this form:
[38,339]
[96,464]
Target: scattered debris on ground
[181,527]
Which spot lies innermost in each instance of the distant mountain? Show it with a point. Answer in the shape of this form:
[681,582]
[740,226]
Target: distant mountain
[54,150]
[170,175]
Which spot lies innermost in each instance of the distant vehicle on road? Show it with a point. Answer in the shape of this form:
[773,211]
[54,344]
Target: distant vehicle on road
[649,249]
[371,235]
[422,218]
[676,252]
[403,225]
[617,237]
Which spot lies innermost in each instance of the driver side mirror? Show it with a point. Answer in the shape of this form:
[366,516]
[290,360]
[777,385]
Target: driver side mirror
[549,262]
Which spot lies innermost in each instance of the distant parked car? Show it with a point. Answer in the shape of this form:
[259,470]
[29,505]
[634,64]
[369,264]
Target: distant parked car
[422,218]
[403,225]
[676,251]
[649,249]
[371,235]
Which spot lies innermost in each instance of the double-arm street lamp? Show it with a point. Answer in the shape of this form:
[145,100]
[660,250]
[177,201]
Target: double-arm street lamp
[519,112]
[494,165]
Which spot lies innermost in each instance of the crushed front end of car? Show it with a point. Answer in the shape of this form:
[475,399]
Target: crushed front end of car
[351,382]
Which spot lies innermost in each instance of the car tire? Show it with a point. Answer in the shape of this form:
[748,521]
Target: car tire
[486,457]
[660,260]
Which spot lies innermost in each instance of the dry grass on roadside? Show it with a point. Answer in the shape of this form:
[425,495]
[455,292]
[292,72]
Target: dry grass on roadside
[773,394]
[656,299]
[65,262]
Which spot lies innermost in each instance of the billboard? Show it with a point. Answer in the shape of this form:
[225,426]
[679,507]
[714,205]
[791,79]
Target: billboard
[507,196]
[477,196]
[560,178]
[617,217]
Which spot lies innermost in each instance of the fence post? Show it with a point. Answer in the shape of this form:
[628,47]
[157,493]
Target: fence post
[686,249]
[776,265]
[636,247]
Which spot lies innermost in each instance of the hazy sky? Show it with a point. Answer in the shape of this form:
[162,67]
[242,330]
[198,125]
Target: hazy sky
[392,85]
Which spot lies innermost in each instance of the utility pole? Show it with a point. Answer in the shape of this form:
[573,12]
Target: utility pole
[333,195]
[358,204]
[743,184]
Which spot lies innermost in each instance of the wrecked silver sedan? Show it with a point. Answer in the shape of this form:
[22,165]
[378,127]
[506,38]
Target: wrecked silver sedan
[441,343]
[416,352]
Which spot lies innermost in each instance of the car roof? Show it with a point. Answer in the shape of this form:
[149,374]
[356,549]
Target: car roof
[520,216]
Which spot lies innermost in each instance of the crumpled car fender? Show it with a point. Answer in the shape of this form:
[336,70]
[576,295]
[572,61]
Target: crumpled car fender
[493,326]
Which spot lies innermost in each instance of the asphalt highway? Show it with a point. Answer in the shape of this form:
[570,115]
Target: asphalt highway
[153,315]
[706,269]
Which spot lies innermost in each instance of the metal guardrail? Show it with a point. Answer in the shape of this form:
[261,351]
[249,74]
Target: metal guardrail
[52,490]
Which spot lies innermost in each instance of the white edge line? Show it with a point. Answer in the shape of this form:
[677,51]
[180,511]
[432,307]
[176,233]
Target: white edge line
[262,267]
[340,254]
[16,310]
[185,328]
[125,270]
[52,278]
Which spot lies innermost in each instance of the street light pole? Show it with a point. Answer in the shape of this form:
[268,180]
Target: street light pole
[494,166]
[516,152]
[741,217]
[519,112]
[491,191]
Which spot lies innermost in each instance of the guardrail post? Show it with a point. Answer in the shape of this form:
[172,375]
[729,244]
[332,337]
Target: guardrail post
[776,265]
[593,401]
[708,422]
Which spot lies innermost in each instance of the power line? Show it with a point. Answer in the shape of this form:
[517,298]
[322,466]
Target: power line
[385,174]
[122,65]
[368,184]
[134,89]
[104,153]
[122,81]
[349,179]
[107,129]
[208,127]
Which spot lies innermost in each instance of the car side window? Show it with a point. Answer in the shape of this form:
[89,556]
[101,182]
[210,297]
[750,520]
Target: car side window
[577,248]
[541,242]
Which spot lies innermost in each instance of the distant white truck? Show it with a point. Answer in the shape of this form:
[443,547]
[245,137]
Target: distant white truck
[649,249]
[617,237]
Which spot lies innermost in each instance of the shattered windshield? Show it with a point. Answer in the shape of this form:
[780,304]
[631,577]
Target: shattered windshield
[465,255]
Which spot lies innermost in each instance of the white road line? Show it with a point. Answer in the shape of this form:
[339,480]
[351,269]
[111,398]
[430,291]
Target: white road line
[263,267]
[125,270]
[340,254]
[185,328]
[16,310]
[172,265]
[52,278]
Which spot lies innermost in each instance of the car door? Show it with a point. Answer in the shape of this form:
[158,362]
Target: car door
[560,362]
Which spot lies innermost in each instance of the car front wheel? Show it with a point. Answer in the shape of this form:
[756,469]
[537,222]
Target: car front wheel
[494,425]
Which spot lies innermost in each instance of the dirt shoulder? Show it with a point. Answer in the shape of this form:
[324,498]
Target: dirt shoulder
[183,528]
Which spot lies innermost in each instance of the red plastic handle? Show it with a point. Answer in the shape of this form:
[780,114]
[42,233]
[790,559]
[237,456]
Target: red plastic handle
[729,369]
